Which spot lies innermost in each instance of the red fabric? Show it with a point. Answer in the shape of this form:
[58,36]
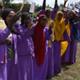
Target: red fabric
[39,44]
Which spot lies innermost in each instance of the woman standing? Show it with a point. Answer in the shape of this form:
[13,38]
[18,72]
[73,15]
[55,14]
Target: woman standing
[57,36]
[7,15]
[40,49]
[25,48]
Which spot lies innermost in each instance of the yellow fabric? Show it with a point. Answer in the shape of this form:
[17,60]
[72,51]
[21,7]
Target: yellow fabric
[64,46]
[59,28]
[2,24]
[68,29]
[50,21]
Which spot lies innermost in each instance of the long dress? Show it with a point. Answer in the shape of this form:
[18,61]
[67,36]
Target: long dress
[25,53]
[3,53]
[73,43]
[50,71]
[65,46]
[56,48]
[12,73]
[57,35]
[40,71]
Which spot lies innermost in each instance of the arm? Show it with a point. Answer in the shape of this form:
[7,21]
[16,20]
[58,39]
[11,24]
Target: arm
[56,4]
[65,1]
[4,34]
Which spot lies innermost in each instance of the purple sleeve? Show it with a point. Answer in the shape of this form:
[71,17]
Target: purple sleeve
[17,28]
[4,34]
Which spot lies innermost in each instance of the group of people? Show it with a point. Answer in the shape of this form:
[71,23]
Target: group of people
[36,50]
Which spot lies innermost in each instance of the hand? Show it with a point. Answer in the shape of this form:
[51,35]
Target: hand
[8,42]
[49,43]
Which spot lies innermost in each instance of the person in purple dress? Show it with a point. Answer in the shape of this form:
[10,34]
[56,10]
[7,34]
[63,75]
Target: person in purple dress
[56,37]
[50,72]
[3,53]
[4,42]
[65,55]
[8,16]
[73,44]
[40,49]
[25,48]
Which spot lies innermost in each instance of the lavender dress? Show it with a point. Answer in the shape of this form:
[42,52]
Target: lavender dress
[12,73]
[50,72]
[3,53]
[25,53]
[56,49]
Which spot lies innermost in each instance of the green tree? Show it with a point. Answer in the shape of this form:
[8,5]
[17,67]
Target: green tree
[5,2]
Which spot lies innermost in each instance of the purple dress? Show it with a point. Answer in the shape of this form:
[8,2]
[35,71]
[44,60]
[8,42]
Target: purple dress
[12,73]
[66,57]
[3,53]
[25,53]
[40,71]
[50,71]
[56,50]
[73,43]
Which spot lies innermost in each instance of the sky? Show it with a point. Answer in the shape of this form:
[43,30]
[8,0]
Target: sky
[49,2]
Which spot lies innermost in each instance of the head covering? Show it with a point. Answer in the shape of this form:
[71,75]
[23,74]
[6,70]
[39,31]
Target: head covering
[59,12]
[59,27]
[39,43]
[40,17]
[41,12]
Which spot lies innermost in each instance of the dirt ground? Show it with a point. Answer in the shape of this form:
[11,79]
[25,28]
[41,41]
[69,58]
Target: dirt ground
[71,72]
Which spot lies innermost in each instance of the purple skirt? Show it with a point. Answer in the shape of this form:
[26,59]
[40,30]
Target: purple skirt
[50,63]
[3,71]
[56,57]
[40,71]
[73,51]
[70,55]
[66,57]
[12,73]
[25,67]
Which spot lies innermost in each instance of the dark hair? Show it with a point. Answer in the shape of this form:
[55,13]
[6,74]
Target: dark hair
[48,13]
[25,16]
[5,12]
